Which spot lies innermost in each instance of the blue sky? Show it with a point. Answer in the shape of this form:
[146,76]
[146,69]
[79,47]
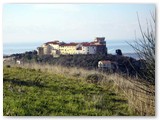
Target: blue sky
[72,22]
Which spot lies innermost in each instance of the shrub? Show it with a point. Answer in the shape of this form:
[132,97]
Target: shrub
[145,48]
[94,78]
[8,66]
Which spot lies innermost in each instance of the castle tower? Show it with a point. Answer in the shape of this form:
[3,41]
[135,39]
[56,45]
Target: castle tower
[101,46]
[100,40]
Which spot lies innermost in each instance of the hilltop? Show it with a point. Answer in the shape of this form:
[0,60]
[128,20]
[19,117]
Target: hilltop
[28,92]
[58,90]
[126,65]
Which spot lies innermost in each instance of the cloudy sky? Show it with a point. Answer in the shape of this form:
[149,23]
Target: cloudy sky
[72,22]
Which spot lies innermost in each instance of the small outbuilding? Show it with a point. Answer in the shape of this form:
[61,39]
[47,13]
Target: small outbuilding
[104,64]
[108,65]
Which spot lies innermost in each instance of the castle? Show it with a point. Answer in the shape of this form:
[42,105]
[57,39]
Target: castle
[57,48]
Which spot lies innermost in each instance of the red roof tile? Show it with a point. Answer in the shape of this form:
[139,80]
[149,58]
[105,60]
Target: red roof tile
[53,42]
[105,61]
[69,44]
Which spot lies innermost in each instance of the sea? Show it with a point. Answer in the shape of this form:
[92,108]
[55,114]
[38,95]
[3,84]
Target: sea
[112,45]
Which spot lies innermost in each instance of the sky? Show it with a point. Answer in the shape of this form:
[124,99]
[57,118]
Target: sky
[32,23]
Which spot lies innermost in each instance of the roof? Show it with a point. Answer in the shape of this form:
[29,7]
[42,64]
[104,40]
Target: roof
[100,38]
[69,44]
[86,44]
[53,42]
[105,61]
[93,43]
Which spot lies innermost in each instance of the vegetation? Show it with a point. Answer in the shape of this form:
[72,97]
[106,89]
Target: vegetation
[145,48]
[139,95]
[47,88]
[126,65]
[31,92]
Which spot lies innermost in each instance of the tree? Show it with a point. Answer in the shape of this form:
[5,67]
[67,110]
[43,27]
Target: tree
[118,52]
[145,47]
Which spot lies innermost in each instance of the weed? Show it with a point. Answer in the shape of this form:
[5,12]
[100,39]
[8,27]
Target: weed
[45,94]
[94,78]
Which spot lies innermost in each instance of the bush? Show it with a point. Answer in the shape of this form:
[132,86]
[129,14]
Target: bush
[145,48]
[8,66]
[94,78]
[30,93]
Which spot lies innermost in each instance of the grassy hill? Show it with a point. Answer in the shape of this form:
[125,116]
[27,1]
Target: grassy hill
[31,92]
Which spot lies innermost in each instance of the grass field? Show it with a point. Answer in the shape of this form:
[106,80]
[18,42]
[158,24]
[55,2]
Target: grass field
[31,92]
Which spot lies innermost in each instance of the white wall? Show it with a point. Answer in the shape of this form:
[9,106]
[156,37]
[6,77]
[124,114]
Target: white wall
[100,64]
[87,50]
[92,49]
[54,46]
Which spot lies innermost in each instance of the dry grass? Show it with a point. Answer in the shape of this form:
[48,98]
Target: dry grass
[140,95]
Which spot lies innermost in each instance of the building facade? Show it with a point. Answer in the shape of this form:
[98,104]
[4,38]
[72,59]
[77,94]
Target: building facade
[57,48]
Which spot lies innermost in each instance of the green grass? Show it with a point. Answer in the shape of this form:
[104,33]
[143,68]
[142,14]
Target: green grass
[28,92]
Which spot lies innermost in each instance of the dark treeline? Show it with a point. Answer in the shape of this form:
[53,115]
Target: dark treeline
[126,65]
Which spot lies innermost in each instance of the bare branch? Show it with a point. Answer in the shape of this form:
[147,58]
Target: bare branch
[145,47]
